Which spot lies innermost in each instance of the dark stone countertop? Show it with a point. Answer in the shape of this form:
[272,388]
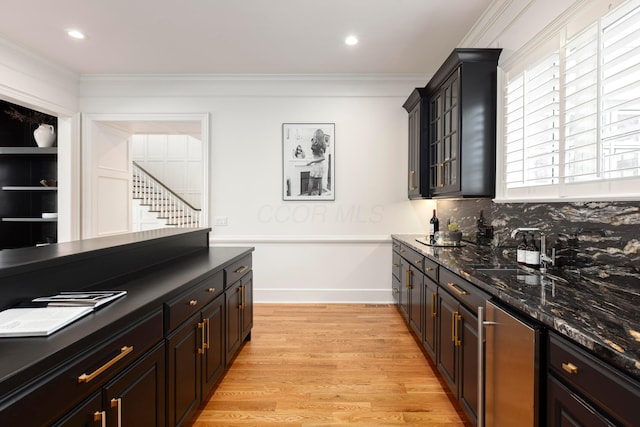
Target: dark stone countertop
[596,308]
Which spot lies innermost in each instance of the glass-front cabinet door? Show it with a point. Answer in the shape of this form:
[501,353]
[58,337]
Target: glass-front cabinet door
[444,137]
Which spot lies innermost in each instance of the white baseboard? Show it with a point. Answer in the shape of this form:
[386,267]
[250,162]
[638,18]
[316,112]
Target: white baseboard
[329,296]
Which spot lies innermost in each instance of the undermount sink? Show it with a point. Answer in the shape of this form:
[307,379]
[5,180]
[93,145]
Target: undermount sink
[496,267]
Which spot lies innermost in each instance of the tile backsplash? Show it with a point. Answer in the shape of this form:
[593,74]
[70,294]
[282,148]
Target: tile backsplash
[585,234]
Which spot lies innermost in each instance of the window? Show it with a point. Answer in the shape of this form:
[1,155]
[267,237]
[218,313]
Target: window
[572,116]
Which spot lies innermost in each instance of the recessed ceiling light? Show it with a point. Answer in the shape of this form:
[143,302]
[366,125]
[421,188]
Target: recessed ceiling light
[351,40]
[76,34]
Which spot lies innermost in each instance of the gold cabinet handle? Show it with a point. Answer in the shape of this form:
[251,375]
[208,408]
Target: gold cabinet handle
[85,378]
[428,269]
[408,276]
[412,175]
[570,368]
[193,302]
[457,289]
[458,321]
[117,403]
[434,314]
[244,296]
[453,327]
[241,269]
[100,416]
[205,344]
[202,337]
[211,290]
[396,265]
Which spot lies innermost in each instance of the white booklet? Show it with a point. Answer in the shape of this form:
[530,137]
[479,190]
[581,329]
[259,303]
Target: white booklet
[89,298]
[38,321]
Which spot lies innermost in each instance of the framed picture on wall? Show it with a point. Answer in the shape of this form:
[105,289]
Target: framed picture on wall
[308,161]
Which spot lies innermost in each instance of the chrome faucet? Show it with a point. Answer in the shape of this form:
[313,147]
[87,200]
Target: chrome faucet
[544,258]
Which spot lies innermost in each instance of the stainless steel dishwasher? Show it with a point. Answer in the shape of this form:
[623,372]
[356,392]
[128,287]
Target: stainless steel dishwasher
[511,376]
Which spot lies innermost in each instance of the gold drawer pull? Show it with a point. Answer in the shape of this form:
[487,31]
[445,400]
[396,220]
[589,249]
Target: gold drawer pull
[428,269]
[100,416]
[570,368]
[193,302]
[211,290]
[396,265]
[241,269]
[84,378]
[458,290]
[434,313]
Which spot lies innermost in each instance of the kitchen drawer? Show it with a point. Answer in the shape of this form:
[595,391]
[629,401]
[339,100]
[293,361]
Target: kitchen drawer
[236,270]
[415,258]
[181,308]
[76,379]
[396,265]
[431,269]
[463,291]
[396,246]
[613,391]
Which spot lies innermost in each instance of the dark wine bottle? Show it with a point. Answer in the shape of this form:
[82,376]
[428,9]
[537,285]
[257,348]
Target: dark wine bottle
[434,226]
[522,251]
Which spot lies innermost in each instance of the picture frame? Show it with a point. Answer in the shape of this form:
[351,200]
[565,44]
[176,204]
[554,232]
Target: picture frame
[308,161]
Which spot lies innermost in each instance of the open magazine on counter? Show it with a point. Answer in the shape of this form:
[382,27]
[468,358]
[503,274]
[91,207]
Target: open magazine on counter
[53,312]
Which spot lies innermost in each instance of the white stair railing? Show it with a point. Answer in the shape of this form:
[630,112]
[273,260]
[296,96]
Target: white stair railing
[160,199]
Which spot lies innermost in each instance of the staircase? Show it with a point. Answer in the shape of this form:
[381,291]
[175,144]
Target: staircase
[159,199]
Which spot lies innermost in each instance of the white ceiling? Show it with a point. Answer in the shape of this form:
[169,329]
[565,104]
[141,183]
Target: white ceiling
[242,36]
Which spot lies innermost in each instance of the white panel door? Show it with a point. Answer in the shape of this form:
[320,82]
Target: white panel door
[106,189]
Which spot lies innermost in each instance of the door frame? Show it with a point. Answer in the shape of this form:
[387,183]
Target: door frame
[87,121]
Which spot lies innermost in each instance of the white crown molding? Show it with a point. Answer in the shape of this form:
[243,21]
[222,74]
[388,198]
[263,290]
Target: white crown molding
[31,55]
[253,77]
[487,21]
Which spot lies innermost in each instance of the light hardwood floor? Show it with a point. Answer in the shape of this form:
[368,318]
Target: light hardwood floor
[330,365]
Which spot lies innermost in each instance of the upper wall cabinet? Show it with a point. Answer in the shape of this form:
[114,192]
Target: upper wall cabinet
[462,125]
[418,178]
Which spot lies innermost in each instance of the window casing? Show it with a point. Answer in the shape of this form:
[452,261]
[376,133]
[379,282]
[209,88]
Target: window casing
[571,113]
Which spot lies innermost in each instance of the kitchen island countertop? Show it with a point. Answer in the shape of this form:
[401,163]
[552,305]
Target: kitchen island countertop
[593,308]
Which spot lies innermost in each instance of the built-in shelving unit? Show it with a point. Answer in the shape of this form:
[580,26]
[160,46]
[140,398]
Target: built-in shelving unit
[23,165]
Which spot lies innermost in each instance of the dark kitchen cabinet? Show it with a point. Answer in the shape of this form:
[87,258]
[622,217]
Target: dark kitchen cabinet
[430,316]
[239,314]
[135,397]
[410,295]
[457,350]
[195,347]
[417,105]
[584,391]
[462,125]
[195,361]
[396,268]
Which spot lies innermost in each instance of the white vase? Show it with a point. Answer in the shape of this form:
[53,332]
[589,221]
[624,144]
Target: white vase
[45,135]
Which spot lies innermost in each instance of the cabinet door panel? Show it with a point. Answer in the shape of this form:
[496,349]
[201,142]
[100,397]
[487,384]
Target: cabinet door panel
[214,356]
[233,330]
[183,372]
[447,354]
[469,363]
[430,315]
[403,296]
[138,394]
[247,305]
[83,414]
[415,301]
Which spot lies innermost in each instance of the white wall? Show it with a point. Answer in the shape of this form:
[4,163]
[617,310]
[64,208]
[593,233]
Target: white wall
[305,251]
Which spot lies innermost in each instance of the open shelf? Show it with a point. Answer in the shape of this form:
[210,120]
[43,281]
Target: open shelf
[28,150]
[30,219]
[28,188]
